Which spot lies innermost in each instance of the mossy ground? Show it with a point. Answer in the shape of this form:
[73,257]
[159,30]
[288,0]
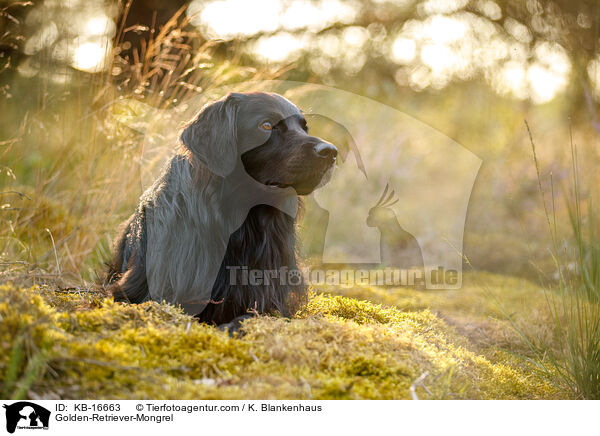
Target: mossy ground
[81,345]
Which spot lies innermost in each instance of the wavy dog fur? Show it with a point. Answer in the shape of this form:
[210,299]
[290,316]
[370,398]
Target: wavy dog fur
[172,242]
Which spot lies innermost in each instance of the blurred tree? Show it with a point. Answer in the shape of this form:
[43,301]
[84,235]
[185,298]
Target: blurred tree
[12,15]
[142,18]
[517,47]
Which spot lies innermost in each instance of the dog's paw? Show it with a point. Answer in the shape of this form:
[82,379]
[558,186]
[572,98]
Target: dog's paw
[234,327]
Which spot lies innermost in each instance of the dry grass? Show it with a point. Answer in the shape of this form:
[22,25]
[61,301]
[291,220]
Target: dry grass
[70,169]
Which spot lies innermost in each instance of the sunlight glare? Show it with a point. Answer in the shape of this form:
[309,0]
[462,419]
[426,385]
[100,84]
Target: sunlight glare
[512,79]
[550,73]
[430,7]
[90,56]
[438,57]
[544,83]
[99,25]
[278,48]
[228,19]
[439,29]
[355,36]
[404,50]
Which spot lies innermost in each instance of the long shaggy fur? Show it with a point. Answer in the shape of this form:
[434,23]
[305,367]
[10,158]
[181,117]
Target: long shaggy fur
[182,200]
[173,240]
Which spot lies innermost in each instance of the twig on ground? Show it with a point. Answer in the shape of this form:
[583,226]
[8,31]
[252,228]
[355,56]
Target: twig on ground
[419,382]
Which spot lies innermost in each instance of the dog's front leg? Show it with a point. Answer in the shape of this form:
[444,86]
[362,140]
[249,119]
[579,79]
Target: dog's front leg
[132,286]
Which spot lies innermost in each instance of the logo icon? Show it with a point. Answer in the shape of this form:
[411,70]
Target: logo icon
[26,415]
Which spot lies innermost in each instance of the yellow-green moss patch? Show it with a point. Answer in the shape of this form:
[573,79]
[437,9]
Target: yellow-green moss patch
[77,345]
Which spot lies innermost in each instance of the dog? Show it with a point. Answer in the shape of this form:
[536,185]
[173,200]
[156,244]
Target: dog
[225,203]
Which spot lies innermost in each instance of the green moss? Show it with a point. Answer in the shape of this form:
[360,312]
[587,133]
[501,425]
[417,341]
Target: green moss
[80,345]
[478,310]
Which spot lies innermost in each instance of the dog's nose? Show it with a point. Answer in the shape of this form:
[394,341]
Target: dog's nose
[324,150]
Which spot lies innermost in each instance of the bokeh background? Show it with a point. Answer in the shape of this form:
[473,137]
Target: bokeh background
[81,80]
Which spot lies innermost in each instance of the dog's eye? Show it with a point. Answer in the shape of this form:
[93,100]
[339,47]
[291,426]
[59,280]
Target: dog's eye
[266,125]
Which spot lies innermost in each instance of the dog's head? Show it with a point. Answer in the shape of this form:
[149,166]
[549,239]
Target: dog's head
[268,133]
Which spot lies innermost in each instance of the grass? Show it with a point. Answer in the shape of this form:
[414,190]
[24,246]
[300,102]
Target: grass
[573,360]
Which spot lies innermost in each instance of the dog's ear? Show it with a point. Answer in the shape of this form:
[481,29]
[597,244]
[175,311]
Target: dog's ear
[212,136]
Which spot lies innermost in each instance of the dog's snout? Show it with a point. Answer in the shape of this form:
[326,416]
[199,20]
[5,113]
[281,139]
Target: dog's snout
[325,150]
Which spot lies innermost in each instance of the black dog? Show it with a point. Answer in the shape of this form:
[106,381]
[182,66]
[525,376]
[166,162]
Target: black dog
[204,220]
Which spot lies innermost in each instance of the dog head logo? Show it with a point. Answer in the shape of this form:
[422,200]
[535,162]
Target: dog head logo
[26,415]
